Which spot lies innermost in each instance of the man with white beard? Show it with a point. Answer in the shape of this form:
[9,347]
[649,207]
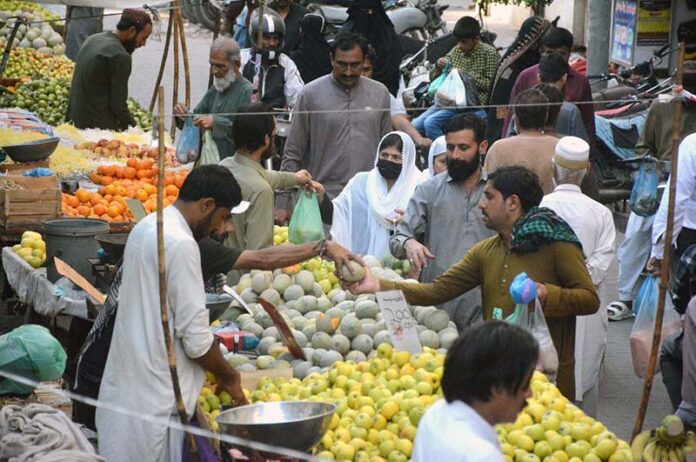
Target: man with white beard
[229,92]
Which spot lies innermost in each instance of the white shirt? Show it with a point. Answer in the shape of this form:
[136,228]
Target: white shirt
[594,225]
[136,375]
[293,81]
[685,204]
[396,106]
[454,432]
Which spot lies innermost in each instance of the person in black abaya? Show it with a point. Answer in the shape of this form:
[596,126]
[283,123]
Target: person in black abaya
[312,55]
[523,53]
[368,18]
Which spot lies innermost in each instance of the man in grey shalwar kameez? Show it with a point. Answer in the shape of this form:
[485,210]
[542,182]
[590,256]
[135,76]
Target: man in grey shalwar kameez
[442,220]
[338,122]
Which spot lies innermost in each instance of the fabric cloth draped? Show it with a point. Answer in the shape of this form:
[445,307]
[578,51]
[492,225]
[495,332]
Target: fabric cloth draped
[539,226]
[523,53]
[365,209]
[376,27]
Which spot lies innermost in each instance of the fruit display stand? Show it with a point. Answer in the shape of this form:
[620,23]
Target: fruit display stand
[38,199]
[35,290]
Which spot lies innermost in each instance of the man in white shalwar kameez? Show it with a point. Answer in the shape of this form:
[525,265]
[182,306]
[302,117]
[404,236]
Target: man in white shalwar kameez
[136,375]
[594,226]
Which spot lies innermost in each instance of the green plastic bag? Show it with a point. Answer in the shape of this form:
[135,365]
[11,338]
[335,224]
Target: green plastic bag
[209,152]
[435,84]
[32,352]
[305,224]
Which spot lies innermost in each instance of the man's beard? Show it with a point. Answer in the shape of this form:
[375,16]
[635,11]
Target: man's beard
[223,83]
[270,152]
[460,169]
[129,45]
[203,227]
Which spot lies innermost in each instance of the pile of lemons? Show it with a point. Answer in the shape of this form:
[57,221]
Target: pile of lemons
[32,249]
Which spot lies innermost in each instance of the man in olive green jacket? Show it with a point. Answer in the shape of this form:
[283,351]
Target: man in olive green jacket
[530,239]
[99,89]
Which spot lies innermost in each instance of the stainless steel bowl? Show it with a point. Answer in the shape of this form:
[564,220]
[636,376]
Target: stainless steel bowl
[297,425]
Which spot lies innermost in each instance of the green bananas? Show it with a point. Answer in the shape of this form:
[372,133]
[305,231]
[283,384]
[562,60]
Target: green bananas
[667,443]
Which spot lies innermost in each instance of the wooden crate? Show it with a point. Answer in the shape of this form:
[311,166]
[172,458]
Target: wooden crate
[39,200]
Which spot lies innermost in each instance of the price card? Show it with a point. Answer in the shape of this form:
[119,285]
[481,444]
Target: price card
[401,325]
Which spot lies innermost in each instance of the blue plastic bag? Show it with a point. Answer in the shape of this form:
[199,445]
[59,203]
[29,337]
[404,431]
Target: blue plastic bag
[189,145]
[642,332]
[644,193]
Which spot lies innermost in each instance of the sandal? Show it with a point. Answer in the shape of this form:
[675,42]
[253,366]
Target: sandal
[618,311]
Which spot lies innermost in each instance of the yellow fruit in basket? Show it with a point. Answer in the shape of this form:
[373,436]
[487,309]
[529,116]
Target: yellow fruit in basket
[27,242]
[16,247]
[39,244]
[25,252]
[35,262]
[31,235]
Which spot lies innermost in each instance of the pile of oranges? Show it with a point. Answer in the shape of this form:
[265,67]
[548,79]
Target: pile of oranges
[137,180]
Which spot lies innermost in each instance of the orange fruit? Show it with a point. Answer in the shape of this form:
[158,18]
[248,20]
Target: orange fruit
[73,201]
[99,209]
[171,190]
[149,189]
[84,210]
[112,211]
[142,174]
[95,199]
[109,170]
[120,172]
[107,180]
[82,195]
[132,163]
[141,195]
[120,206]
[129,172]
[179,180]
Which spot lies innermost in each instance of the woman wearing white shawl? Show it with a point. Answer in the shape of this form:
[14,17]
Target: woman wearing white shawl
[372,203]
[437,161]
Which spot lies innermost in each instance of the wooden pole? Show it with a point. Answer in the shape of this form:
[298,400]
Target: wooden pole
[664,272]
[216,34]
[158,82]
[184,53]
[175,86]
[171,358]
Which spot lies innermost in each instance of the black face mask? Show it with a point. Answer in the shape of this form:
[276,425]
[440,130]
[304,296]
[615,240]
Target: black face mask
[389,170]
[460,170]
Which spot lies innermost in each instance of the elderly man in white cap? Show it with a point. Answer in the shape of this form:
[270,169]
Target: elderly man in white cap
[594,226]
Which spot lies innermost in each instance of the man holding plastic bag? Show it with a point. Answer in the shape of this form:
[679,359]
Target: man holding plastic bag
[253,131]
[530,239]
[229,91]
[462,78]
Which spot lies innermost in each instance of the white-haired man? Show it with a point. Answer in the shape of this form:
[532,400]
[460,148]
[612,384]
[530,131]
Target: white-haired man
[229,92]
[594,226]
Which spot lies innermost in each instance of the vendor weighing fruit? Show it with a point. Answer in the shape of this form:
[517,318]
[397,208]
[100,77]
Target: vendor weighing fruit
[530,239]
[99,91]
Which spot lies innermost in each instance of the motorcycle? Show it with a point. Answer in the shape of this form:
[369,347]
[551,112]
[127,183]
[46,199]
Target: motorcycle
[620,114]
[421,20]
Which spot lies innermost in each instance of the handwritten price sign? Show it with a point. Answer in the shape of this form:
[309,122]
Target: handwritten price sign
[400,323]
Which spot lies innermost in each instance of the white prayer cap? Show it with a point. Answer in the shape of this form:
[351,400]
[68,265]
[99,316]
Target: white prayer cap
[572,153]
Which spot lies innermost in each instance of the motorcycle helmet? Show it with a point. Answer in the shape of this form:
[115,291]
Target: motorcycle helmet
[271,24]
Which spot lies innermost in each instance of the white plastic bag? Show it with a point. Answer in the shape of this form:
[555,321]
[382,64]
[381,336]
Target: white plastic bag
[209,152]
[535,323]
[452,92]
[643,327]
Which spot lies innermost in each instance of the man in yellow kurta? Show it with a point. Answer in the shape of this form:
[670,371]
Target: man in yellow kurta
[530,239]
